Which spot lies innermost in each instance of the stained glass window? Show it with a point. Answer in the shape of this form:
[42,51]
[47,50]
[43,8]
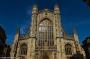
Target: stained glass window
[45,33]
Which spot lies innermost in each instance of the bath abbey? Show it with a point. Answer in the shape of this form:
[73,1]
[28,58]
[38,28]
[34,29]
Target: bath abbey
[46,38]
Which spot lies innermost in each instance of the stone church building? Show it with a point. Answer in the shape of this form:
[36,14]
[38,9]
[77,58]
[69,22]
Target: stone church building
[46,38]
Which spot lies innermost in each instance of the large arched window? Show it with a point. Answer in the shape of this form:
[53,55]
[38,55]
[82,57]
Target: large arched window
[23,49]
[68,49]
[45,30]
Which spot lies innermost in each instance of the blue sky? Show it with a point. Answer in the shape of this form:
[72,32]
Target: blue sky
[15,13]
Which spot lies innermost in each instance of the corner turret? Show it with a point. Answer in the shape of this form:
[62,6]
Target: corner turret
[56,9]
[34,9]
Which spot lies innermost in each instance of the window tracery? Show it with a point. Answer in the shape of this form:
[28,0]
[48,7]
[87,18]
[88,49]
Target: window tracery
[45,33]
[68,49]
[23,49]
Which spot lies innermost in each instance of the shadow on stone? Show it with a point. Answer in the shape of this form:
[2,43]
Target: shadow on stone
[77,56]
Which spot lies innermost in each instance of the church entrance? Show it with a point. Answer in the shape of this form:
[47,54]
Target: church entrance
[45,56]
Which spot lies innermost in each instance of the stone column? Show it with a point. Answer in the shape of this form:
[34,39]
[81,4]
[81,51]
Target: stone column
[63,55]
[58,49]
[29,48]
[32,46]
[17,55]
[52,55]
[74,49]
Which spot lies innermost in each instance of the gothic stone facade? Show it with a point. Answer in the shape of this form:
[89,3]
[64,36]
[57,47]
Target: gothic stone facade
[47,39]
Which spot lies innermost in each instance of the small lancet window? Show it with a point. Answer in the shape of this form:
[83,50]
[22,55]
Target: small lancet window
[68,49]
[23,49]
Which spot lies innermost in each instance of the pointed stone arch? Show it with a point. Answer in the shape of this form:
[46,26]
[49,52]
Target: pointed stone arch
[68,49]
[45,19]
[23,49]
[45,56]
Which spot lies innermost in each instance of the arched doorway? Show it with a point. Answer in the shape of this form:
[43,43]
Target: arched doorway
[45,56]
